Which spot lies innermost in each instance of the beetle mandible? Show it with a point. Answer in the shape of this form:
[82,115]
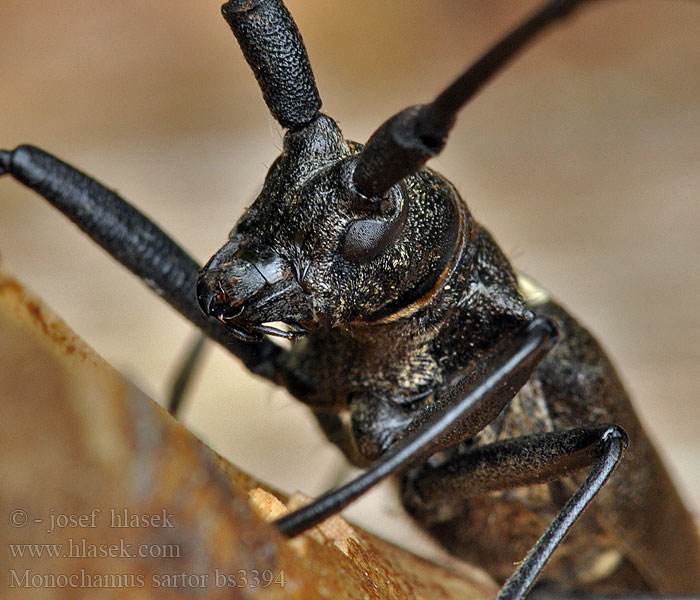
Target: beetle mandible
[353,257]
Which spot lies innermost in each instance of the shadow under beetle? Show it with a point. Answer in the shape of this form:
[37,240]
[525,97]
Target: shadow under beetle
[419,350]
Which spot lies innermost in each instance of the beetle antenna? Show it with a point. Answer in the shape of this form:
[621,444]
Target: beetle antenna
[273,47]
[405,142]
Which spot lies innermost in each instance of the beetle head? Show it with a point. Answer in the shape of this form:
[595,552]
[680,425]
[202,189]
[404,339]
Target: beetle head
[314,252]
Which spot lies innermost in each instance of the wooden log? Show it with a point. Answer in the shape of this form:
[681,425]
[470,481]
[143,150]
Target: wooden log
[104,495]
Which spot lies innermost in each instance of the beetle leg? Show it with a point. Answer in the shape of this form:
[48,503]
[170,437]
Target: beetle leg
[184,373]
[520,461]
[553,593]
[135,241]
[510,369]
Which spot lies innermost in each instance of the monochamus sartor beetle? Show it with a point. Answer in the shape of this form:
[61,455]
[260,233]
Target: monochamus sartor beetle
[355,255]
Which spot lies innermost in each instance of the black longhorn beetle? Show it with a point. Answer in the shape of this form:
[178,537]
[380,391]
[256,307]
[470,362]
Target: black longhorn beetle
[416,335]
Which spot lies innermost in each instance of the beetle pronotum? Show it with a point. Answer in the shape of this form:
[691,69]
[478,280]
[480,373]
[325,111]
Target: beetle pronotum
[465,175]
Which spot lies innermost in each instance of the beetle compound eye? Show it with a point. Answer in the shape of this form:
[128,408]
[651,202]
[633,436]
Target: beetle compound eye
[366,239]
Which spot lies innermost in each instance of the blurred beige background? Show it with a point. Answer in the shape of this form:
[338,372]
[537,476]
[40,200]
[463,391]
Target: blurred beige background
[583,159]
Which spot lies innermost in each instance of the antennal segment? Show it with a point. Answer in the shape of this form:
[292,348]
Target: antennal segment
[273,47]
[405,142]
